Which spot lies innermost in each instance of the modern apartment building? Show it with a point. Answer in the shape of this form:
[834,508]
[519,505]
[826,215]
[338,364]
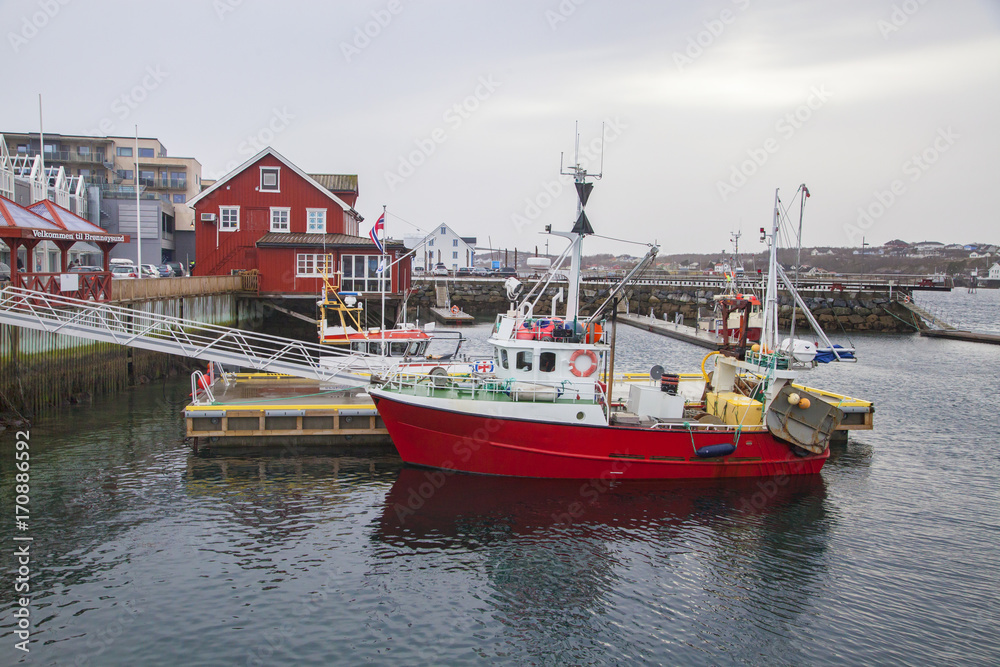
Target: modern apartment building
[110,169]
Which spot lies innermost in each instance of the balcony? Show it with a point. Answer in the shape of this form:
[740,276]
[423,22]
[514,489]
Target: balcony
[164,183]
[72,157]
[114,191]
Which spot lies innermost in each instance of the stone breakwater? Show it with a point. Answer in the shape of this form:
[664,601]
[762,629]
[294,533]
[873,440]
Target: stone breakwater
[835,311]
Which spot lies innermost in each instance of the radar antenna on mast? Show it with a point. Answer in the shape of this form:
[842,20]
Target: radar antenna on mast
[582,226]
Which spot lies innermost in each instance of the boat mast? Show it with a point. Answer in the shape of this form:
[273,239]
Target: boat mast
[582,226]
[769,336]
[803,193]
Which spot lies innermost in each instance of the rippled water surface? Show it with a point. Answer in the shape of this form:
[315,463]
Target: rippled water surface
[145,554]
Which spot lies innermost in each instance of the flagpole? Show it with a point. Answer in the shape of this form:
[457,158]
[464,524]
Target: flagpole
[385,236]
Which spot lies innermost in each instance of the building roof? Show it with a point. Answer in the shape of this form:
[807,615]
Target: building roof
[64,218]
[281,158]
[297,240]
[337,182]
[14,215]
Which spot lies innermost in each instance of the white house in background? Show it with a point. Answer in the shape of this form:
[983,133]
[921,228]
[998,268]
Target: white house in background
[442,246]
[995,271]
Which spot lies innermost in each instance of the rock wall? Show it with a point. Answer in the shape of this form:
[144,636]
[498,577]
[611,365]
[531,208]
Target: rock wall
[835,311]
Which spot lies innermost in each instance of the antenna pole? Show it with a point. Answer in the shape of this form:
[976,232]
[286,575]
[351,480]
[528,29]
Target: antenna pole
[138,219]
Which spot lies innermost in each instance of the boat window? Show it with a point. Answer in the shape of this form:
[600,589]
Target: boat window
[503,359]
[524,360]
[397,349]
[373,348]
[415,349]
[547,362]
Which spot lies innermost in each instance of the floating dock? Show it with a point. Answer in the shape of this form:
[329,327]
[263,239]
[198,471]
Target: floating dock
[935,327]
[958,334]
[672,330]
[451,316]
[264,410]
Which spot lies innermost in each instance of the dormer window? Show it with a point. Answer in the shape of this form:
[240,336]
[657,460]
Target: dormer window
[270,179]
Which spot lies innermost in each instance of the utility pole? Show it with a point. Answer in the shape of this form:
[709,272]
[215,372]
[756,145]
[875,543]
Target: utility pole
[863,245]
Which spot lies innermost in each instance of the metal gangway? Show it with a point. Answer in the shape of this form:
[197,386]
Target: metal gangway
[932,320]
[173,335]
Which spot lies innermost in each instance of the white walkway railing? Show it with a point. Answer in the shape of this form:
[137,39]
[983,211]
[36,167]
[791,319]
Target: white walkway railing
[172,335]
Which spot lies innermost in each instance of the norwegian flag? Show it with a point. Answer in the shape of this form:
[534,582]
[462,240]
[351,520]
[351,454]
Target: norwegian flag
[806,190]
[379,226]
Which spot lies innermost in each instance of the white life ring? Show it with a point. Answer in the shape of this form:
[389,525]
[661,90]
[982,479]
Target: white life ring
[587,371]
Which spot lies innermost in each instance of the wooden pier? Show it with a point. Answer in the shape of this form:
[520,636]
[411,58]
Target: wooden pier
[673,330]
[263,410]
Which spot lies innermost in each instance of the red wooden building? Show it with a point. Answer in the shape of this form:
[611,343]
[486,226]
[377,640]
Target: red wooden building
[269,215]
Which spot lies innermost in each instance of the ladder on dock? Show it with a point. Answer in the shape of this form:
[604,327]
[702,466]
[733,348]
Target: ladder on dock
[263,353]
[927,316]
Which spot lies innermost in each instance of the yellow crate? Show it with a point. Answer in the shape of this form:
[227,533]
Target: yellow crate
[733,408]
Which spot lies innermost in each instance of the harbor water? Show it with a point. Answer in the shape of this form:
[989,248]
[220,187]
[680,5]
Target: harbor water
[143,553]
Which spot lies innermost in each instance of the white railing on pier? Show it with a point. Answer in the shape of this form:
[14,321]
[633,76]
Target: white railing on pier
[197,340]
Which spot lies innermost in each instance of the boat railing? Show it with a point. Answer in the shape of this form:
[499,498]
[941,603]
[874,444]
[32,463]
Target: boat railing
[490,387]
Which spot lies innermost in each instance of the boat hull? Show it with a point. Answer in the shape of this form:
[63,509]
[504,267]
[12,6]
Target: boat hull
[432,437]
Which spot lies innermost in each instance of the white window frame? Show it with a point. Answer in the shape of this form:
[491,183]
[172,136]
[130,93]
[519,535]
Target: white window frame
[223,227]
[309,265]
[321,213]
[288,219]
[369,282]
[277,185]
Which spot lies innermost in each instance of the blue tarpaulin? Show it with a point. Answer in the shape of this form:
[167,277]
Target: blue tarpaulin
[825,355]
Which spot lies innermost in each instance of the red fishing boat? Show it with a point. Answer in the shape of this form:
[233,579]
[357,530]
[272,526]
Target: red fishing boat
[543,411]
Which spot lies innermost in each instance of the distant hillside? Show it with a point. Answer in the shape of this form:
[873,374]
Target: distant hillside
[895,257]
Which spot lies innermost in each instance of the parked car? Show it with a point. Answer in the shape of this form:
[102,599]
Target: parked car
[418,271]
[150,271]
[86,268]
[165,271]
[4,271]
[505,272]
[464,271]
[177,268]
[441,270]
[480,271]
[122,272]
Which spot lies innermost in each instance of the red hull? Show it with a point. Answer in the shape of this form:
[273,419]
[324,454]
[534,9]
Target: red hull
[448,440]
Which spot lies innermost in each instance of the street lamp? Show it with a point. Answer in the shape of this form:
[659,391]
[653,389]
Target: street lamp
[863,245]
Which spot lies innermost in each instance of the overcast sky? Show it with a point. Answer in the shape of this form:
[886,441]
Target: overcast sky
[457,112]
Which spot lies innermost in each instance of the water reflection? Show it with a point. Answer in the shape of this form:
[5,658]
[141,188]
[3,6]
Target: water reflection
[560,554]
